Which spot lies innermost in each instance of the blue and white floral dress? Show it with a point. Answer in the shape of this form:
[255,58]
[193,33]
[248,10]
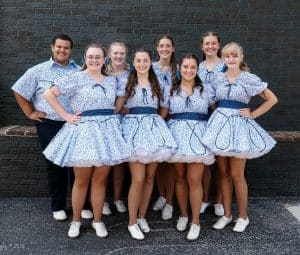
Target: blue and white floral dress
[145,130]
[228,133]
[164,78]
[96,140]
[206,76]
[187,123]
[122,80]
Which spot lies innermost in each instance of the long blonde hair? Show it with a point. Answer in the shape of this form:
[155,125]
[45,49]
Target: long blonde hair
[234,48]
[109,67]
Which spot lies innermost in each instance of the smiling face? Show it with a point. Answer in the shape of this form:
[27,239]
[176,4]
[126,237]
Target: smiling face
[232,55]
[117,55]
[142,62]
[210,45]
[61,51]
[165,48]
[188,69]
[94,59]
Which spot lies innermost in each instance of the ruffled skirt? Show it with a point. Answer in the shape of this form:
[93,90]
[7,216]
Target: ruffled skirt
[149,136]
[94,141]
[188,136]
[229,134]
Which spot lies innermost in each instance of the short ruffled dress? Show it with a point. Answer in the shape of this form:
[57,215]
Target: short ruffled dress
[187,123]
[96,140]
[228,133]
[145,130]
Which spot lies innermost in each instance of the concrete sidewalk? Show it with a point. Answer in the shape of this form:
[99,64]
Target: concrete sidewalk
[27,227]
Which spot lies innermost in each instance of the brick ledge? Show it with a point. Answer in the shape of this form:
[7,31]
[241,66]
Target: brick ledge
[27,131]
[30,131]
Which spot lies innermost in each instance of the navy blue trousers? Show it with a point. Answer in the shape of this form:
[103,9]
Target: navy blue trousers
[58,177]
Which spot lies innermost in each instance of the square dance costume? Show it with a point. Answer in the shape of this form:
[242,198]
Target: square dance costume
[228,133]
[95,140]
[187,123]
[145,130]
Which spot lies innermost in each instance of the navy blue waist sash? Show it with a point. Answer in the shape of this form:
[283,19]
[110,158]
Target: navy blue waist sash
[98,112]
[189,116]
[54,122]
[232,104]
[142,110]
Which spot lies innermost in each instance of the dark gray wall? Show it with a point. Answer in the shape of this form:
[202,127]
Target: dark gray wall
[23,171]
[268,30]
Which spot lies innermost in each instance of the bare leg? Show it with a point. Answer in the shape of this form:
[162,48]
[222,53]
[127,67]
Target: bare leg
[159,180]
[118,178]
[219,197]
[138,173]
[237,167]
[194,176]
[206,179]
[98,190]
[181,188]
[147,189]
[79,191]
[226,183]
[169,183]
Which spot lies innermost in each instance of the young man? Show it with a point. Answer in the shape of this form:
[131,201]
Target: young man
[28,90]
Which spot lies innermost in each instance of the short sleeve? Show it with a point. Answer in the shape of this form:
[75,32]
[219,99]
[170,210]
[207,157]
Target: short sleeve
[27,84]
[166,98]
[253,84]
[67,84]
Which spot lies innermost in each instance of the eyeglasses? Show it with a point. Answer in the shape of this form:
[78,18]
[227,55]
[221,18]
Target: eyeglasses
[97,58]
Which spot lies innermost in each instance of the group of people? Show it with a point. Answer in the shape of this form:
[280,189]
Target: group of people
[170,122]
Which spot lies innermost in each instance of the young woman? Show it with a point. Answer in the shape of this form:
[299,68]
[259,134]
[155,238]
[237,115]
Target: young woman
[232,133]
[211,65]
[116,66]
[188,102]
[165,70]
[149,135]
[91,140]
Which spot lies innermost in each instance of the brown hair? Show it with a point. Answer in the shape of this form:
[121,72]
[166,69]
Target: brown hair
[209,33]
[133,79]
[176,83]
[173,59]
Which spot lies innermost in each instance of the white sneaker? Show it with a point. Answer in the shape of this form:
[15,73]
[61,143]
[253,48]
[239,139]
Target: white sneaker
[222,222]
[194,232]
[60,215]
[182,223]
[204,206]
[74,230]
[159,204]
[100,229]
[106,210]
[219,209]
[143,224]
[135,232]
[87,214]
[120,206]
[241,225]
[167,212]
